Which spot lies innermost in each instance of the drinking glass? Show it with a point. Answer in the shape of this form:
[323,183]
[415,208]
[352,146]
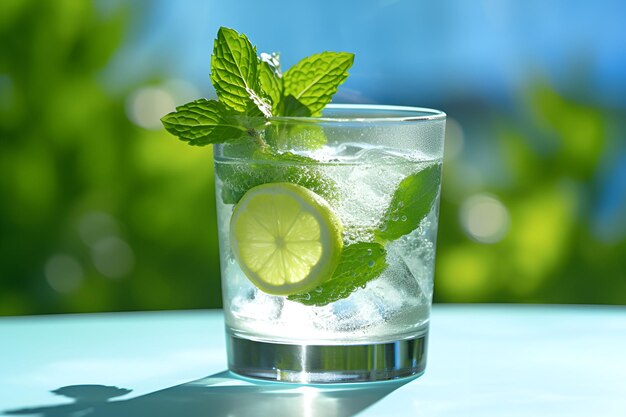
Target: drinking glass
[379,169]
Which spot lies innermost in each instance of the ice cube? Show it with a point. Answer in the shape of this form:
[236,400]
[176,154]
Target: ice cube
[253,304]
[355,313]
[416,253]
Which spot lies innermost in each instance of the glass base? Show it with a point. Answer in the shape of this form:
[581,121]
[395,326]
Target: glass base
[323,364]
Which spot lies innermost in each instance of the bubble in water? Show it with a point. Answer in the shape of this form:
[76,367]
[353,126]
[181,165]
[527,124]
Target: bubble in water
[395,217]
[403,218]
[370,264]
[306,296]
[369,252]
[401,204]
[382,227]
[318,289]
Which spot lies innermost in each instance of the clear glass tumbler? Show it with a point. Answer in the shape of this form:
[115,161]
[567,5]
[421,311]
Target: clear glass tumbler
[379,170]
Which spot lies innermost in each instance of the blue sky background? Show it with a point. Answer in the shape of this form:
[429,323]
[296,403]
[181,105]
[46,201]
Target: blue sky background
[407,52]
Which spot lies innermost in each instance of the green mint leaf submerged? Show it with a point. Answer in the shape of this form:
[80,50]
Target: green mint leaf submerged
[265,166]
[359,264]
[411,202]
[293,136]
[304,171]
[307,136]
[235,72]
[313,81]
[202,122]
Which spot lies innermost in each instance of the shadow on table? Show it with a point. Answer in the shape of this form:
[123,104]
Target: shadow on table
[220,394]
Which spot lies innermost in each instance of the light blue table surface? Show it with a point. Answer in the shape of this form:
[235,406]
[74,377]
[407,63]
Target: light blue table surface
[484,360]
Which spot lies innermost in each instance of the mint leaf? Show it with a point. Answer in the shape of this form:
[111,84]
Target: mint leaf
[269,77]
[264,166]
[360,263]
[202,122]
[237,179]
[313,81]
[304,171]
[235,72]
[304,136]
[291,106]
[410,203]
[307,136]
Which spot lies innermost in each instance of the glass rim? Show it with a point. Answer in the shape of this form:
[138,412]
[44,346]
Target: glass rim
[403,114]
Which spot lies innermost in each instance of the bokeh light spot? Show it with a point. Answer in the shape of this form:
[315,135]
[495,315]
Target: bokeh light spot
[96,225]
[113,257]
[484,218]
[181,90]
[6,90]
[63,273]
[147,105]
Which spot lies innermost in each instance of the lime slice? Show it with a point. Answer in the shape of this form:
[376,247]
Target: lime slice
[285,237]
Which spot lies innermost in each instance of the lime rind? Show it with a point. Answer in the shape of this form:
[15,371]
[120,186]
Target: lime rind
[285,238]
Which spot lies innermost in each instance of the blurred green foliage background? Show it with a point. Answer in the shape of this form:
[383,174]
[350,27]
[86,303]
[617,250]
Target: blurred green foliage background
[101,210]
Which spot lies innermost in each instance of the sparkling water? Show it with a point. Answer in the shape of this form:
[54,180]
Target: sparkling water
[358,181]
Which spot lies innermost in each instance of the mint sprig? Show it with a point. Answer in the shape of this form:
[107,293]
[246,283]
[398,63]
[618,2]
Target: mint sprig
[249,88]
